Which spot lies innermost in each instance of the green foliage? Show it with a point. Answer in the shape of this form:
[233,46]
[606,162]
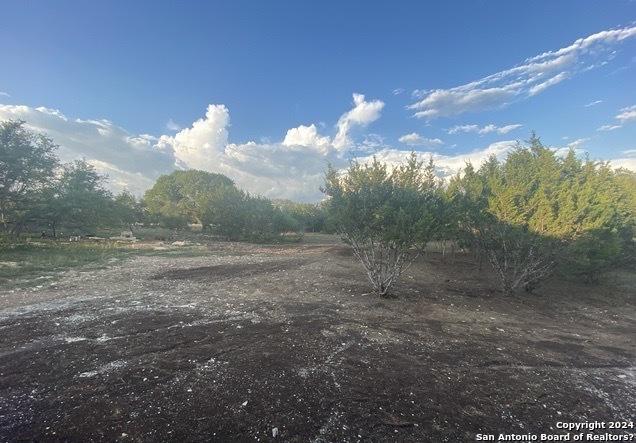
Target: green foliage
[591,254]
[36,259]
[309,217]
[386,216]
[80,203]
[540,202]
[36,192]
[218,205]
[128,209]
[184,196]
[27,167]
[225,213]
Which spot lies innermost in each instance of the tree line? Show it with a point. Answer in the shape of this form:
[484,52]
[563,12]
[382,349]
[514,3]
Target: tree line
[39,193]
[215,203]
[529,216]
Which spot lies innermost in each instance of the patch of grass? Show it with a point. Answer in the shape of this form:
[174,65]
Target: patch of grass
[24,262]
[20,262]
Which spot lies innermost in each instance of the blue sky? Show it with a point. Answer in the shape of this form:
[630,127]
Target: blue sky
[123,83]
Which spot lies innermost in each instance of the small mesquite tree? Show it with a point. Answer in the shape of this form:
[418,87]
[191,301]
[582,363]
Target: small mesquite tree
[519,257]
[387,217]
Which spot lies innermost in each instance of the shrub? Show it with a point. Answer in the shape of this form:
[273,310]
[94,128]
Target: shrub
[386,217]
[519,258]
[592,254]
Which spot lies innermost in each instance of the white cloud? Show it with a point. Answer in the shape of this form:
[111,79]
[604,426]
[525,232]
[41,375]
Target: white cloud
[415,139]
[171,125]
[609,127]
[4,94]
[625,115]
[307,137]
[627,163]
[481,130]
[447,165]
[293,168]
[398,91]
[594,103]
[578,143]
[362,114]
[530,78]
[537,89]
[290,168]
[110,147]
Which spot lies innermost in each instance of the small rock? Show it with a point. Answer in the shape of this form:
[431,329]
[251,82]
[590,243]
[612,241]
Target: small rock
[274,432]
[244,403]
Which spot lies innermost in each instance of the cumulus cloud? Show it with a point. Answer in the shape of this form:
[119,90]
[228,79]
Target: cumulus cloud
[533,76]
[626,162]
[362,114]
[292,168]
[447,165]
[307,137]
[132,161]
[415,139]
[481,130]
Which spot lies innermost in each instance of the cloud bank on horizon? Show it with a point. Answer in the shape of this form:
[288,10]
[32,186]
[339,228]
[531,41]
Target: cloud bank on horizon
[294,166]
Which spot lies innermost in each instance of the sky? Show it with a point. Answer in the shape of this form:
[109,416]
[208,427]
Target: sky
[269,93]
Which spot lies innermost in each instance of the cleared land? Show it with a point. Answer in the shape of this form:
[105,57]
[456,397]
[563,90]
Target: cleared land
[241,342]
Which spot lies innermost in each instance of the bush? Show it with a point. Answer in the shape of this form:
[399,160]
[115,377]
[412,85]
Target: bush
[592,254]
[386,217]
[519,258]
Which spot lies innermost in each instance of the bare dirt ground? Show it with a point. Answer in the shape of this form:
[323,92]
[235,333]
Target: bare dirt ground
[284,343]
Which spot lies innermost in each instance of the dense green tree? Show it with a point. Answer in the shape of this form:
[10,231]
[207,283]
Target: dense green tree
[80,201]
[27,167]
[308,216]
[128,209]
[184,196]
[536,210]
[224,212]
